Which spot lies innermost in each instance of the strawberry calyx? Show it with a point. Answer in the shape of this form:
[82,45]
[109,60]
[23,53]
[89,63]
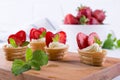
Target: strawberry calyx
[83,20]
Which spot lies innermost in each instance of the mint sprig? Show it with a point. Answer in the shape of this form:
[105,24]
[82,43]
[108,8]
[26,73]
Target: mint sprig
[56,38]
[13,43]
[43,34]
[32,60]
[25,43]
[97,41]
[111,42]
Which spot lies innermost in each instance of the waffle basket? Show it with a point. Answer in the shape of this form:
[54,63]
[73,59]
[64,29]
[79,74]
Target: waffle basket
[37,46]
[14,53]
[56,53]
[92,58]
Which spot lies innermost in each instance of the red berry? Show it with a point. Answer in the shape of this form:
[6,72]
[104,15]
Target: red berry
[91,38]
[99,15]
[82,40]
[86,11]
[93,21]
[21,35]
[36,34]
[48,38]
[70,19]
[41,29]
[62,37]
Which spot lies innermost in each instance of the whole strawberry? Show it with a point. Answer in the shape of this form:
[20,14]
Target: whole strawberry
[99,15]
[70,19]
[84,10]
[93,21]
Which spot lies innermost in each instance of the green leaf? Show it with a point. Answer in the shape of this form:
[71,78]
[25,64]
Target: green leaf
[13,43]
[97,41]
[33,60]
[83,20]
[28,54]
[109,43]
[20,66]
[118,43]
[40,58]
[25,43]
[56,38]
[43,34]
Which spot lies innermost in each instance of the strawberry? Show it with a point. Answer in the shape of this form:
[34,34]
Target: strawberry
[93,21]
[49,36]
[99,15]
[42,29]
[62,37]
[31,33]
[19,37]
[82,40]
[36,33]
[70,19]
[84,10]
[91,38]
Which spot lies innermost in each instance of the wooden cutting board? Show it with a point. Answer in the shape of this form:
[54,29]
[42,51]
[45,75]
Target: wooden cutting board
[68,69]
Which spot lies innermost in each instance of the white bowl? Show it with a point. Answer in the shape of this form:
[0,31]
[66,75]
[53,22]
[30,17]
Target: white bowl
[72,30]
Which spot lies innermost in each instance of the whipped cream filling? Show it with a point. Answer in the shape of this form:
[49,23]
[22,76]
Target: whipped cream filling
[93,48]
[38,40]
[57,45]
[9,46]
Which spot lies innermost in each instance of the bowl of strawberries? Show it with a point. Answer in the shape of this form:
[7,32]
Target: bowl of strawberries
[86,20]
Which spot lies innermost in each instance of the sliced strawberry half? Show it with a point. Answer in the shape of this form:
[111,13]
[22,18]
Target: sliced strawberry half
[82,40]
[91,38]
[16,38]
[62,37]
[48,38]
[36,34]
[21,35]
[42,29]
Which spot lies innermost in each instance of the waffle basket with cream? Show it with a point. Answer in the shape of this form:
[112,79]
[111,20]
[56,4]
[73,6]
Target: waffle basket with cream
[16,47]
[56,47]
[90,52]
[37,38]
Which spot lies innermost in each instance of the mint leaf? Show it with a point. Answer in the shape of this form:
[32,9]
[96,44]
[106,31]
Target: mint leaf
[33,60]
[97,41]
[43,34]
[28,54]
[20,66]
[39,59]
[118,43]
[56,38]
[13,43]
[109,43]
[25,43]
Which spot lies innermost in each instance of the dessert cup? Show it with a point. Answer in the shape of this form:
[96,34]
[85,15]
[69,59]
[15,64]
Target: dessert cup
[37,46]
[92,58]
[56,53]
[12,53]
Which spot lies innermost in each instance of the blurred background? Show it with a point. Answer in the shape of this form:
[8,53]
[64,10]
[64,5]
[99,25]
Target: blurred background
[21,14]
